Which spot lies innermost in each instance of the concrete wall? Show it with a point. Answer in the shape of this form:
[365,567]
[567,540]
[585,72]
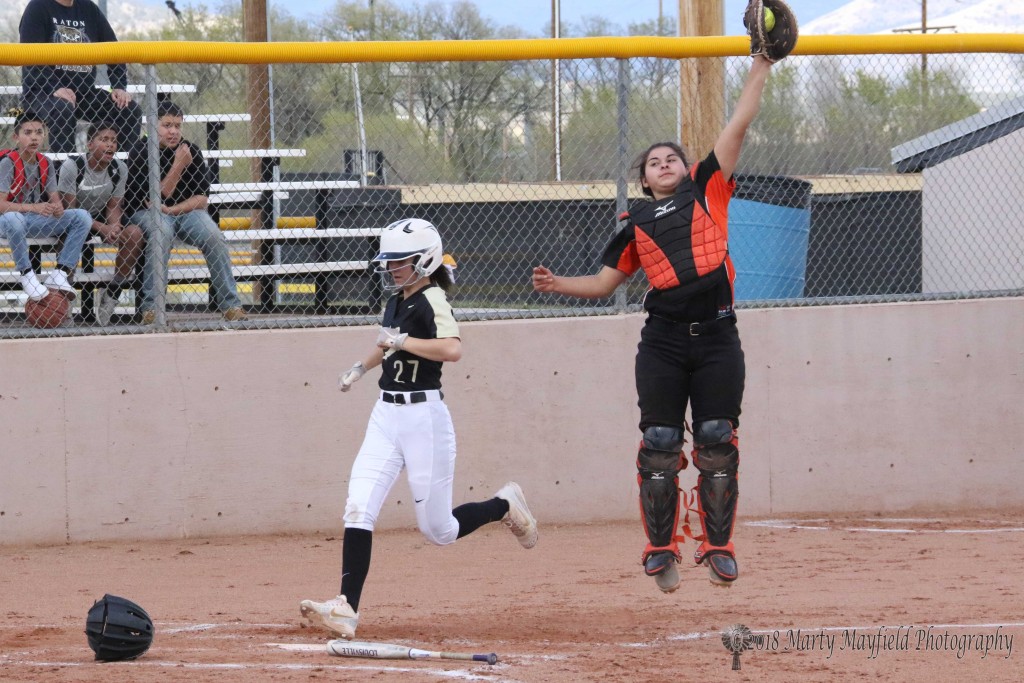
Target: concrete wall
[971,210]
[858,408]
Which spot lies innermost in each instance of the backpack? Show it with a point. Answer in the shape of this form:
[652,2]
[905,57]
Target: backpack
[113,170]
[18,182]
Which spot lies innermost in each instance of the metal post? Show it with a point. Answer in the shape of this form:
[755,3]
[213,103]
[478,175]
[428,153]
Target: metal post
[273,135]
[156,241]
[363,161]
[556,91]
[101,69]
[924,56]
[622,160]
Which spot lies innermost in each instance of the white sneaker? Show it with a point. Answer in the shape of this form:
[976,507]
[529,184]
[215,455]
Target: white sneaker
[336,615]
[518,519]
[105,308]
[33,287]
[59,280]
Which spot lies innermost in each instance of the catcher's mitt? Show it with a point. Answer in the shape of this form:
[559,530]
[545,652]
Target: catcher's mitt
[773,41]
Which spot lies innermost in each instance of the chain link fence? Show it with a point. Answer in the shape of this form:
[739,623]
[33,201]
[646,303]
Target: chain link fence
[865,178]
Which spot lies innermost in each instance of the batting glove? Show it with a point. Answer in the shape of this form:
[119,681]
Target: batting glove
[347,378]
[390,338]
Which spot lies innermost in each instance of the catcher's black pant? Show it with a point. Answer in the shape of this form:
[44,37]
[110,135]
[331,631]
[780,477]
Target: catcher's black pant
[674,368]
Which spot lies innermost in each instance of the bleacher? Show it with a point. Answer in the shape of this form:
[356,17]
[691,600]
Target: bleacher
[255,244]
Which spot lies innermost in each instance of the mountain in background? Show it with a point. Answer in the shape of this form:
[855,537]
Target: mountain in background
[123,15]
[991,78]
[857,17]
[882,16]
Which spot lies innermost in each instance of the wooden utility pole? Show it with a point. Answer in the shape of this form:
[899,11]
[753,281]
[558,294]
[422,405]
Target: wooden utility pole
[925,28]
[702,81]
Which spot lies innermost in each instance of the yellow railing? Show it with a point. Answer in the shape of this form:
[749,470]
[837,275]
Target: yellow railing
[172,52]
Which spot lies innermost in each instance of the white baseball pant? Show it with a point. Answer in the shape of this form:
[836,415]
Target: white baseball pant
[421,438]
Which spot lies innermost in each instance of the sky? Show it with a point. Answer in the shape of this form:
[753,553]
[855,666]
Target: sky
[534,15]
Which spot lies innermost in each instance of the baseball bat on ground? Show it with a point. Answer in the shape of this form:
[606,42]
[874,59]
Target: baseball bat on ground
[355,648]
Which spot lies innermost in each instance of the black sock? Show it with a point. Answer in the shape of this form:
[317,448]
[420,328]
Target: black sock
[472,516]
[355,564]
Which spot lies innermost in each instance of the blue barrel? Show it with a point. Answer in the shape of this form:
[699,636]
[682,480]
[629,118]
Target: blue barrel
[769,226]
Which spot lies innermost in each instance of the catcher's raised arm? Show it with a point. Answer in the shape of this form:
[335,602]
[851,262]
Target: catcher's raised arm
[772,28]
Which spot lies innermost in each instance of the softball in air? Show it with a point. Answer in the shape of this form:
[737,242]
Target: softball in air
[769,20]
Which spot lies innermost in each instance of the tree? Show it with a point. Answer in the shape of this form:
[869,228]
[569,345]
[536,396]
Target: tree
[873,115]
[774,140]
[590,102]
[195,23]
[298,102]
[351,21]
[947,101]
[465,107]
[819,117]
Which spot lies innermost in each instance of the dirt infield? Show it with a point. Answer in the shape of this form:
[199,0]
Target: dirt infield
[841,599]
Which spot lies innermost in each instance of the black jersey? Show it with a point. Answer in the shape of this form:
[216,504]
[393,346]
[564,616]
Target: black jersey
[681,242]
[44,21]
[194,181]
[425,315]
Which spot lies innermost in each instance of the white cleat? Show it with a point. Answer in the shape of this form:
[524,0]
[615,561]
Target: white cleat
[668,580]
[722,570]
[519,520]
[661,564]
[335,615]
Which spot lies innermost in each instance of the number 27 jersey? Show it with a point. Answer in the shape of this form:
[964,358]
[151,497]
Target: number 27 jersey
[424,315]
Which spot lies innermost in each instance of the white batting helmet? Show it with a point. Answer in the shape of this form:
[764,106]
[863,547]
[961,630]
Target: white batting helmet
[411,237]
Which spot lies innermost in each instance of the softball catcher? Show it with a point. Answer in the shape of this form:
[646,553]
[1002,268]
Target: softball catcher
[689,351]
[410,427]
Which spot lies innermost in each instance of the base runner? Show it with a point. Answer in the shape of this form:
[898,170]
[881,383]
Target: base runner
[410,427]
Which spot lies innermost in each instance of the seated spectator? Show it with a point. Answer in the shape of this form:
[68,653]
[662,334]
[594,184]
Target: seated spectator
[30,207]
[184,188]
[96,182]
[64,94]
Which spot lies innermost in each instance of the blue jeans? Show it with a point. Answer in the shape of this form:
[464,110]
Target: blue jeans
[195,228]
[74,225]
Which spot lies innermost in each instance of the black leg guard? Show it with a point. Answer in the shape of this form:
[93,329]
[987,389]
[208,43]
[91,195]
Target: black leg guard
[717,457]
[658,464]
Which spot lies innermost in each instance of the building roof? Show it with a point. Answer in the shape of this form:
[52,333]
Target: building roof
[959,137]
